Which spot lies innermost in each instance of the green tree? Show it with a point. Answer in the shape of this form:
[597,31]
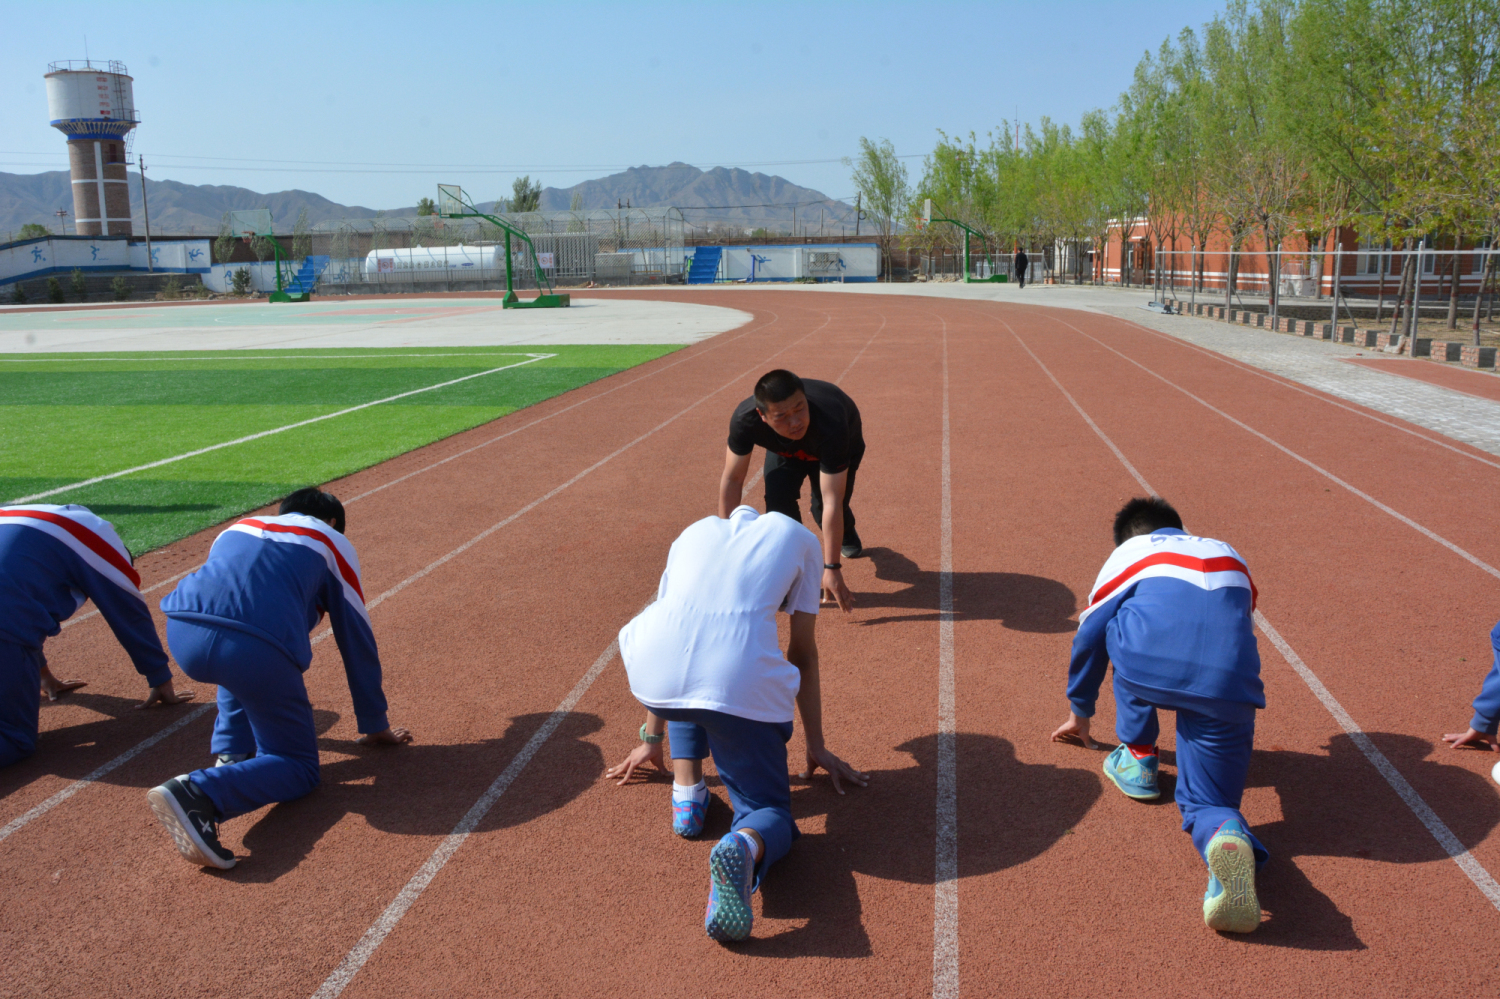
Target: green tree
[224,244]
[525,195]
[301,236]
[54,291]
[426,206]
[120,286]
[33,230]
[241,284]
[80,283]
[881,179]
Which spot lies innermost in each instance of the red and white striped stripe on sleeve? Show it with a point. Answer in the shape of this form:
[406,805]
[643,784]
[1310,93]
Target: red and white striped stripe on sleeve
[314,534]
[1204,562]
[92,538]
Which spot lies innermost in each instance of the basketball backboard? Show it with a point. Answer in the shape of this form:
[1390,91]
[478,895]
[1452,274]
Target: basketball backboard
[926,213]
[451,201]
[250,222]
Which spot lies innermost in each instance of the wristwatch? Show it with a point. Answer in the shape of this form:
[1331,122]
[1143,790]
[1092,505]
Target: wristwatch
[649,739]
[833,565]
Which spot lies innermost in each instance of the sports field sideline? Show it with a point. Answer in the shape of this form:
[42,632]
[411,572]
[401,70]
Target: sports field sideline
[501,560]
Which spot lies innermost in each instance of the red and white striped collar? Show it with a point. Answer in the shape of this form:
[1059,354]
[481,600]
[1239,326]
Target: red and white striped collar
[296,528]
[1203,562]
[91,536]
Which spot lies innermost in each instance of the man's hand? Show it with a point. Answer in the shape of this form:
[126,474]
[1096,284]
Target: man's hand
[821,758]
[646,752]
[385,737]
[1075,729]
[55,688]
[165,694]
[1478,740]
[835,592]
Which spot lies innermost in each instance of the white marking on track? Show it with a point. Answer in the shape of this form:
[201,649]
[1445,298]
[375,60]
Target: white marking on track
[1450,843]
[945,887]
[267,433]
[283,356]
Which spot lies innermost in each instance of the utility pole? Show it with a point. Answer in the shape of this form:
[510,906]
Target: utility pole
[146,212]
[858,214]
[62,216]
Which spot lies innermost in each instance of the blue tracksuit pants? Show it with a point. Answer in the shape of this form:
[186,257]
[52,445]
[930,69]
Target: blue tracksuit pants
[751,759]
[20,701]
[1213,757]
[263,709]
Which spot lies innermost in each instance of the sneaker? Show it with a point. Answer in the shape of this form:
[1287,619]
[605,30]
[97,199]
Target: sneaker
[230,759]
[1136,778]
[1230,904]
[729,916]
[688,816]
[192,819]
[852,551]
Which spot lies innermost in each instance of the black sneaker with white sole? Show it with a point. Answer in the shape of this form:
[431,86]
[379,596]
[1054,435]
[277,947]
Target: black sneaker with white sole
[192,819]
[852,551]
[230,759]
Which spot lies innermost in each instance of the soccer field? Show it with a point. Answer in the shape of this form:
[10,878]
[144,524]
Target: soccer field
[67,420]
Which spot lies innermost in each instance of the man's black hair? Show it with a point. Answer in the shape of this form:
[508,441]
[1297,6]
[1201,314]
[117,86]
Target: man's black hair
[776,386]
[315,503]
[1143,515]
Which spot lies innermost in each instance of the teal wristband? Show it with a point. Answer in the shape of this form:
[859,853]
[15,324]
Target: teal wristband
[648,738]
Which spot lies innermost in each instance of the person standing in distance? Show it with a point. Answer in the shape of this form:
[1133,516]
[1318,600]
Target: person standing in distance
[811,430]
[1022,262]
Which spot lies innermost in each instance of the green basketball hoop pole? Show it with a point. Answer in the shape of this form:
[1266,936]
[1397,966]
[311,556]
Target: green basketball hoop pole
[452,204]
[929,218]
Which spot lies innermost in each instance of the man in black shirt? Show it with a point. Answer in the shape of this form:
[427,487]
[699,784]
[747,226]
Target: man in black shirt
[1022,262]
[810,429]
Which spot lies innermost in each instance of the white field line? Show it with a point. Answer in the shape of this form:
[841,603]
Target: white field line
[57,799]
[80,784]
[1450,843]
[285,356]
[1286,382]
[267,433]
[945,886]
[1455,549]
[361,952]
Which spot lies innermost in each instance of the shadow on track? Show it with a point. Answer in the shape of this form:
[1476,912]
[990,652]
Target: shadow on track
[1018,601]
[420,790]
[888,831]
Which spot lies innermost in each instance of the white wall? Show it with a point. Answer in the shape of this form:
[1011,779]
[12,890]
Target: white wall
[47,256]
[190,256]
[787,263]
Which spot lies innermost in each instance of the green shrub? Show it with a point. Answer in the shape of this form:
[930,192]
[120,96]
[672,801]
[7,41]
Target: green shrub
[171,288]
[80,283]
[32,230]
[121,288]
[18,294]
[242,281]
[54,290]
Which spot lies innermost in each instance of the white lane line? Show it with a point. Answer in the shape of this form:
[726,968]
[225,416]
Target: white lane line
[533,358]
[1286,382]
[1450,843]
[945,887]
[284,356]
[1455,549]
[361,952]
[57,799]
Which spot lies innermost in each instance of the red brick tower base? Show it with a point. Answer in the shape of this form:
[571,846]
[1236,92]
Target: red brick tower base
[99,181]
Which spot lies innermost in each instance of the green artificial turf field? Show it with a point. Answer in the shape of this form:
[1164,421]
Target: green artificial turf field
[66,418]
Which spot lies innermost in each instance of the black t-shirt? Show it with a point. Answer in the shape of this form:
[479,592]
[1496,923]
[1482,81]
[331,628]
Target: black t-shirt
[834,438]
[1021,261]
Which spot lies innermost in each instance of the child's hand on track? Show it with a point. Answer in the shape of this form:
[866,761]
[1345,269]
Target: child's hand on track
[165,694]
[1472,738]
[821,758]
[55,688]
[387,737]
[646,752]
[1075,729]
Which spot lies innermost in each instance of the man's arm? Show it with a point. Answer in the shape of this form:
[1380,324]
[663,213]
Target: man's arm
[732,482]
[1085,675]
[361,657]
[832,488]
[1483,725]
[802,652]
[646,752]
[130,620]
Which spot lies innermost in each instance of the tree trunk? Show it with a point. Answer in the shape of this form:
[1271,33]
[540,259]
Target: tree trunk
[1458,241]
[1489,273]
[1385,266]
[1406,270]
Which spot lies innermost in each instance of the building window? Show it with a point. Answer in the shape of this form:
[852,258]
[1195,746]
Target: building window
[1372,255]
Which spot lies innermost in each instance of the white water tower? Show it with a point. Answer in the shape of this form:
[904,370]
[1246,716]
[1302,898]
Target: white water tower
[95,108]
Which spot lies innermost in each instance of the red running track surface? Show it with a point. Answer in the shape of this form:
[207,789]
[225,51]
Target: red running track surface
[1375,566]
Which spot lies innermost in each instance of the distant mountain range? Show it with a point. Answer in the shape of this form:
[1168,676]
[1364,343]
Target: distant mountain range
[729,196]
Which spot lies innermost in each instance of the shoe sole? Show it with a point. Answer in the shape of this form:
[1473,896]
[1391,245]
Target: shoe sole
[170,814]
[732,917]
[1126,791]
[1237,909]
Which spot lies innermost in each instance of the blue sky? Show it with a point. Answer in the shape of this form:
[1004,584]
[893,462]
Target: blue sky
[373,103]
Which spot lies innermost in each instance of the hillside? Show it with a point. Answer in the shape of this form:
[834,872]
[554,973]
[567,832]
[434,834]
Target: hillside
[193,208]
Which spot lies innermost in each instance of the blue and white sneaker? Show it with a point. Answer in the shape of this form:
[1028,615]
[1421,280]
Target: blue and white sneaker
[731,873]
[688,816]
[1230,905]
[1136,778]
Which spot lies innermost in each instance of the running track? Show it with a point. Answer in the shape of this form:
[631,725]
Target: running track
[982,858]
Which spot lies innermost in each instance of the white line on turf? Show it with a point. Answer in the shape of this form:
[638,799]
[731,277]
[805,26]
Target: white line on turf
[1461,553]
[340,977]
[283,356]
[533,358]
[1450,843]
[57,799]
[945,888]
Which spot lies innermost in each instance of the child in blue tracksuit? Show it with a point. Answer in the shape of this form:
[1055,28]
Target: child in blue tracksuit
[1173,613]
[1486,720]
[242,622]
[52,559]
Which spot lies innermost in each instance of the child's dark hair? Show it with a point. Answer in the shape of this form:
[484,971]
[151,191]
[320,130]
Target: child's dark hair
[1143,515]
[776,386]
[315,503]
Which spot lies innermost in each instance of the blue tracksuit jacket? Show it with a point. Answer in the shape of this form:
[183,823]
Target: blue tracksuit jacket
[1487,704]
